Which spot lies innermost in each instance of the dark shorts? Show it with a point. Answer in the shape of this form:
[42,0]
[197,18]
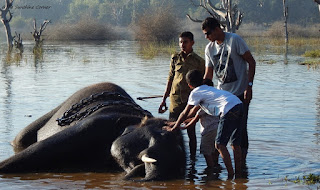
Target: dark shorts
[230,127]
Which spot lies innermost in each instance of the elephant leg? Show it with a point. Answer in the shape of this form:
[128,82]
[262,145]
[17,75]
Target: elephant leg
[82,147]
[28,135]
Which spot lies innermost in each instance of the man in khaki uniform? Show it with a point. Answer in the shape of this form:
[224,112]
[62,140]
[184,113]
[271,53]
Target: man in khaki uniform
[177,86]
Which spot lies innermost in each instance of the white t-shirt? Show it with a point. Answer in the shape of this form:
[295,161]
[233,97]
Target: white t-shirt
[213,101]
[207,122]
[230,68]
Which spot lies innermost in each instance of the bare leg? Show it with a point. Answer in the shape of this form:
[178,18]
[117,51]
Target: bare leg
[215,157]
[209,160]
[192,141]
[237,159]
[226,159]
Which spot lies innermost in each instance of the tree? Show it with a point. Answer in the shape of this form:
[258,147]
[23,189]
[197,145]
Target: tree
[4,12]
[318,2]
[37,34]
[285,15]
[228,13]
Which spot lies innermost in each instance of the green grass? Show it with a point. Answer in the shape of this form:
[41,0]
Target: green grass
[308,179]
[312,53]
[149,50]
[277,41]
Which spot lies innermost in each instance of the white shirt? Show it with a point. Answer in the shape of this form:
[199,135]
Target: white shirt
[213,101]
[207,122]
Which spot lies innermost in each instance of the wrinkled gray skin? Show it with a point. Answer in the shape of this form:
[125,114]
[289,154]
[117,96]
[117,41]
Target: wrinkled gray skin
[85,144]
[166,148]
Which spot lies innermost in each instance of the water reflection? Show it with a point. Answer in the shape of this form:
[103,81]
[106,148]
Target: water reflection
[317,131]
[6,95]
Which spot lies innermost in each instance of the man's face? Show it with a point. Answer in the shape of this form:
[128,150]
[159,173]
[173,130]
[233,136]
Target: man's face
[210,34]
[186,45]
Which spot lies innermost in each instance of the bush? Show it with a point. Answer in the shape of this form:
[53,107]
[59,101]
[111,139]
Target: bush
[157,24]
[85,29]
[294,30]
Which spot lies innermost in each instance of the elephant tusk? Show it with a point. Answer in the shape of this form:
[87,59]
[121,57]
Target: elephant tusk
[146,159]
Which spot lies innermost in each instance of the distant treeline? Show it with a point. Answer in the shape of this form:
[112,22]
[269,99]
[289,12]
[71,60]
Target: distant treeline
[117,14]
[126,12]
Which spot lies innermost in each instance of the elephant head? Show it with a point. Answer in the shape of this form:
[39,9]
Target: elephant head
[148,151]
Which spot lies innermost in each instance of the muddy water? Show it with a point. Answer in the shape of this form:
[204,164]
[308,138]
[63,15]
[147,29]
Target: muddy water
[284,117]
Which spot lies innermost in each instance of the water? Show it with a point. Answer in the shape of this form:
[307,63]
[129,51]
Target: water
[283,125]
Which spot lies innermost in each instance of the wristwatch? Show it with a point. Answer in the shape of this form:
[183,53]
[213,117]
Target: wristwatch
[250,84]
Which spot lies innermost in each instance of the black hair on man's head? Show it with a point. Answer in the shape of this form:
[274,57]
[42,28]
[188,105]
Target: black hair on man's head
[194,78]
[210,23]
[186,34]
[207,82]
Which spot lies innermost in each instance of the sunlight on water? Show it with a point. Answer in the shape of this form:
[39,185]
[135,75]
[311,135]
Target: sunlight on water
[283,118]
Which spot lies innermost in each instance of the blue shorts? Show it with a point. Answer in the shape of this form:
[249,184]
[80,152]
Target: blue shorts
[229,127]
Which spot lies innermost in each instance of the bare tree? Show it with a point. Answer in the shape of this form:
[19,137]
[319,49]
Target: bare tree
[285,14]
[228,13]
[37,34]
[318,2]
[18,41]
[4,12]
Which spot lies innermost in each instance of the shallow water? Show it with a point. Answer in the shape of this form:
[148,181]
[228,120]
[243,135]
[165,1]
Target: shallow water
[283,125]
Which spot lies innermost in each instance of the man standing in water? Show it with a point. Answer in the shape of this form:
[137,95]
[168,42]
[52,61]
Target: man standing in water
[228,56]
[177,86]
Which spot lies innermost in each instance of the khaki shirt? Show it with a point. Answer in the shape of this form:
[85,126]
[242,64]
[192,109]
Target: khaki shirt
[178,69]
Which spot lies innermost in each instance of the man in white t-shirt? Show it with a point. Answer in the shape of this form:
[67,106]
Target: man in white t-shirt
[217,103]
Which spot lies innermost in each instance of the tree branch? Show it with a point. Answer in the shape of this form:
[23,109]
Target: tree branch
[219,12]
[8,4]
[44,25]
[193,20]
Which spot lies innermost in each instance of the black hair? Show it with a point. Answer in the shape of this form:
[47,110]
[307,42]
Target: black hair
[186,34]
[194,78]
[210,23]
[207,82]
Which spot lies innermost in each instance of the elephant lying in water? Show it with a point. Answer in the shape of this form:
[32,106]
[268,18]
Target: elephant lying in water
[97,128]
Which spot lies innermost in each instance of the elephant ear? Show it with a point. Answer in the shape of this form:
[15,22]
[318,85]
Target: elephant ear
[129,129]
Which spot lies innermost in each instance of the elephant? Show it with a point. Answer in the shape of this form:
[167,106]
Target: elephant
[163,159]
[99,128]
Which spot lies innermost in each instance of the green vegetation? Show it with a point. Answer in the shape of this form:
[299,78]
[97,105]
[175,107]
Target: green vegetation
[312,53]
[308,179]
[125,17]
[157,24]
[125,12]
[84,29]
[149,50]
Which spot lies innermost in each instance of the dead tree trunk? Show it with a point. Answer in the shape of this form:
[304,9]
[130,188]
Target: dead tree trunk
[228,13]
[285,14]
[18,42]
[318,2]
[4,12]
[37,34]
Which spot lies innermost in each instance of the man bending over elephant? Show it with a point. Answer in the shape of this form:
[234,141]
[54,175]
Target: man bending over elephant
[218,103]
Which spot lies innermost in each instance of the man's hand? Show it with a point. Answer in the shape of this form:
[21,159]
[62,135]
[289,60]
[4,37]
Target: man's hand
[163,107]
[170,123]
[167,128]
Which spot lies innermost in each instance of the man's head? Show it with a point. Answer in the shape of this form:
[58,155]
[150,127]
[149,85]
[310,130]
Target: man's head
[211,29]
[194,78]
[186,42]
